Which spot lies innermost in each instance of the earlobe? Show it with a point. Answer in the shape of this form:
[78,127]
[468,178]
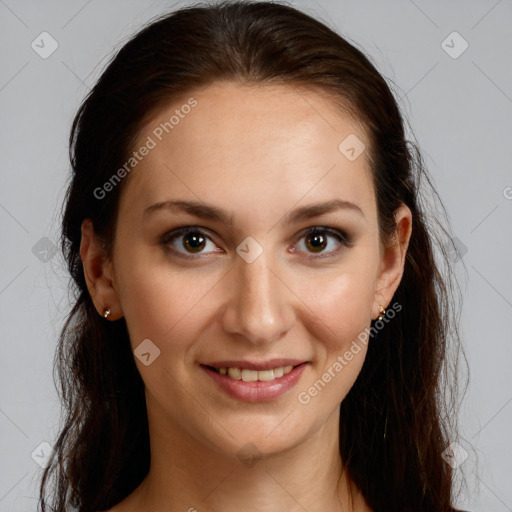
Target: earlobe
[393,261]
[98,274]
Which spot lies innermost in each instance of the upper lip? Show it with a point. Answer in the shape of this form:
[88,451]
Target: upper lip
[256,365]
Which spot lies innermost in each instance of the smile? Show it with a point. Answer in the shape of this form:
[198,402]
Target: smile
[254,385]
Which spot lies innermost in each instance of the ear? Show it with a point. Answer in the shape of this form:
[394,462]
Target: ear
[98,272]
[393,260]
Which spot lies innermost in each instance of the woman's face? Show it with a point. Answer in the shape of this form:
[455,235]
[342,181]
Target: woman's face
[252,169]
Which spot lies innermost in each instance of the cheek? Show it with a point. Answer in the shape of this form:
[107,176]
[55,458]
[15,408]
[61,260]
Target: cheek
[342,307]
[158,301]
[341,304]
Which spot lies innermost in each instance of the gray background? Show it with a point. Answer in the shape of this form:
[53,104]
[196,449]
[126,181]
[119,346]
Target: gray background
[460,110]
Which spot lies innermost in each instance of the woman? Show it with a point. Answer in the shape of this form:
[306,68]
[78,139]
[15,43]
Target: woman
[260,321]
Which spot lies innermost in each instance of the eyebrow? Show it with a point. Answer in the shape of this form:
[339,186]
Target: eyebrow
[205,211]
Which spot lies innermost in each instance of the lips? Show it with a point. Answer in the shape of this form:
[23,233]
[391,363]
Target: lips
[252,381]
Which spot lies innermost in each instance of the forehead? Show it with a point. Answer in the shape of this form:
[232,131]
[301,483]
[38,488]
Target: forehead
[257,140]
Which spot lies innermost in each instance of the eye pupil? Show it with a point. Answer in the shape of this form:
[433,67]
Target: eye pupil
[194,241]
[318,242]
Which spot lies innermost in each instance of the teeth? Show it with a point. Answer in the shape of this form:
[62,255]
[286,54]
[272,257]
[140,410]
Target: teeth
[278,372]
[253,375]
[235,373]
[265,375]
[249,375]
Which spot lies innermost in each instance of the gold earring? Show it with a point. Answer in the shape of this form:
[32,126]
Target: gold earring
[106,312]
[382,312]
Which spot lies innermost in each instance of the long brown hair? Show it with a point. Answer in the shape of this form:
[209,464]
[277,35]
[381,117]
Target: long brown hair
[397,418]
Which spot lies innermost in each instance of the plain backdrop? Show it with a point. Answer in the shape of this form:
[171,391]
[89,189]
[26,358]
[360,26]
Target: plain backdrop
[451,66]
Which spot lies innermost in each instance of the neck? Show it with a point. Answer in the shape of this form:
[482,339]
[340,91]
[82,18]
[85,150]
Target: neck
[185,474]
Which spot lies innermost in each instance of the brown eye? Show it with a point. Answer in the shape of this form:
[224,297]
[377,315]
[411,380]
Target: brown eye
[323,241]
[189,241]
[316,242]
[194,242]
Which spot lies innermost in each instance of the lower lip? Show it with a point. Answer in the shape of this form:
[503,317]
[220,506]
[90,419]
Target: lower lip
[258,391]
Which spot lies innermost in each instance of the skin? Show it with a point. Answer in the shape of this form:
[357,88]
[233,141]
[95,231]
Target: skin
[258,152]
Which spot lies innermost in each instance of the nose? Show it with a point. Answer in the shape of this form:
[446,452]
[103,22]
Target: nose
[260,306]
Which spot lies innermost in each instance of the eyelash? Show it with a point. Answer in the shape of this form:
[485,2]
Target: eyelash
[343,238]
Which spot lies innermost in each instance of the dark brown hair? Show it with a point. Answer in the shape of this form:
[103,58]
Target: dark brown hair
[398,417]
